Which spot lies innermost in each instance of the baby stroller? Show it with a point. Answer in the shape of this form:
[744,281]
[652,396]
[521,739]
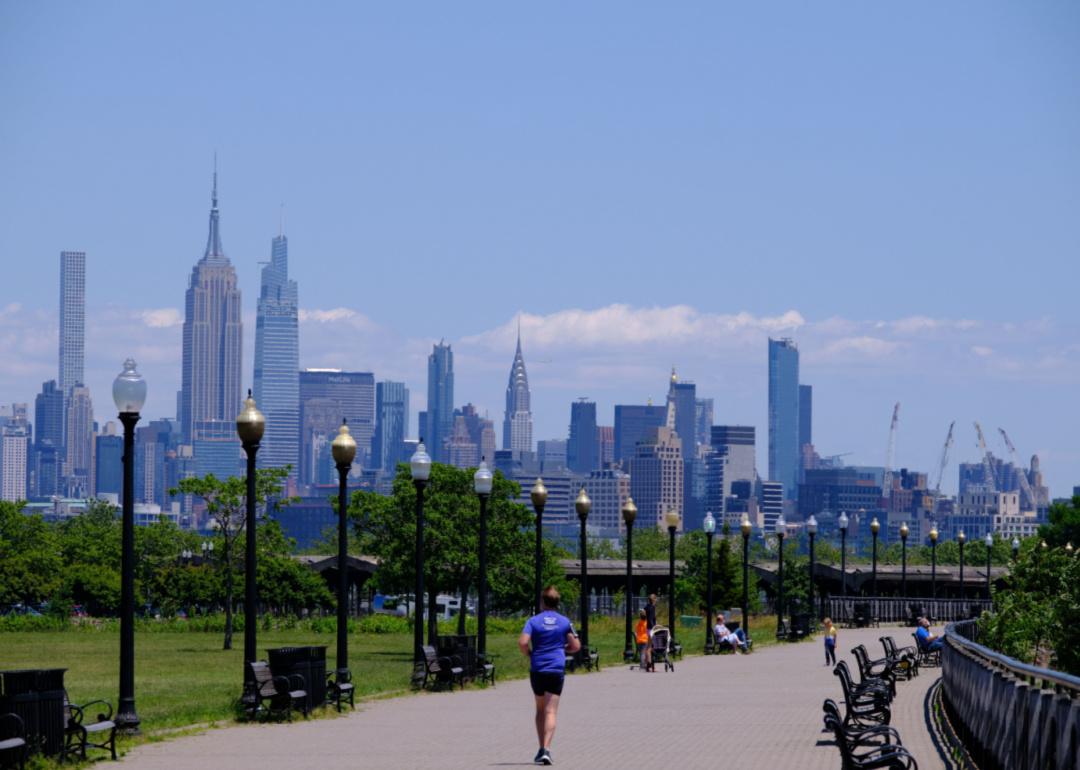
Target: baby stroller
[660,640]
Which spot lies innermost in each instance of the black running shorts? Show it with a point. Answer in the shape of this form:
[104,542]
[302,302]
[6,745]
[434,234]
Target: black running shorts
[543,683]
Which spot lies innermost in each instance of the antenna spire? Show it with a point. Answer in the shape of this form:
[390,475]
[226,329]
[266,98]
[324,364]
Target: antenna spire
[213,239]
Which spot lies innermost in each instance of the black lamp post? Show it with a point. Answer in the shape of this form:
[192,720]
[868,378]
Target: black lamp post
[989,542]
[746,528]
[961,538]
[842,523]
[709,526]
[539,495]
[482,483]
[420,465]
[781,526]
[933,562]
[629,513]
[671,518]
[583,505]
[250,425]
[875,527]
[811,531]
[344,451]
[129,394]
[904,531]
[1015,549]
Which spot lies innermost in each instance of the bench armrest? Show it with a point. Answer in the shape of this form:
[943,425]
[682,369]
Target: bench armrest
[78,712]
[17,722]
[296,682]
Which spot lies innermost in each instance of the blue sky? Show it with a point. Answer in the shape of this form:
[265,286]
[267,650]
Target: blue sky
[894,185]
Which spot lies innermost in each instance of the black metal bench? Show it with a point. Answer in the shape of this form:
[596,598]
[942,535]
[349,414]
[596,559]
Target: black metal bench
[80,734]
[441,670]
[862,615]
[905,659]
[866,748]
[485,668]
[865,706]
[277,695]
[587,658]
[339,688]
[13,740]
[874,671]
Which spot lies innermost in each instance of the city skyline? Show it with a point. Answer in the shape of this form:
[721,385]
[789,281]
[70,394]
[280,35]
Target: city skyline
[907,222]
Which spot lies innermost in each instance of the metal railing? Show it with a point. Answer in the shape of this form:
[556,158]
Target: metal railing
[891,609]
[1008,714]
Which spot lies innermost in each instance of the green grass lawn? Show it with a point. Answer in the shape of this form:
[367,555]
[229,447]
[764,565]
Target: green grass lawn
[185,678]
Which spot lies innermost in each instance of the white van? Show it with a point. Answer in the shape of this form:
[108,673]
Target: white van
[446,607]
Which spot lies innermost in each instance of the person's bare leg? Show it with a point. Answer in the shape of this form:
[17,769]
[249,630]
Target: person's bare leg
[551,709]
[540,716]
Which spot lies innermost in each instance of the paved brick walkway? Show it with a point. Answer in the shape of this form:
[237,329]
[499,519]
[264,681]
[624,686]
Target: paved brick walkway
[757,711]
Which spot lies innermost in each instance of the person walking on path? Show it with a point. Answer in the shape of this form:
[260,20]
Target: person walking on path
[551,636]
[830,642]
[650,612]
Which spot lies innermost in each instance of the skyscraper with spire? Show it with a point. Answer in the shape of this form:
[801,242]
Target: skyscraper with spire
[517,422]
[277,360]
[212,344]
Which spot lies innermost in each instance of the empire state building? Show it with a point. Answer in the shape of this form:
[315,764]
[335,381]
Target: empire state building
[210,385]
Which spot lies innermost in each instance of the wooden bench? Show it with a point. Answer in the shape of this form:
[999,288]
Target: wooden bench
[441,670]
[339,687]
[13,739]
[79,734]
[279,694]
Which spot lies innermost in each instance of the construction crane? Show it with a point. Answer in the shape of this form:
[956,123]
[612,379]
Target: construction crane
[988,467]
[890,451]
[944,458]
[1025,486]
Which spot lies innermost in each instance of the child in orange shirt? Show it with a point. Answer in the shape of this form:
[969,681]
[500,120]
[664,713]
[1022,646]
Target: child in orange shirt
[641,635]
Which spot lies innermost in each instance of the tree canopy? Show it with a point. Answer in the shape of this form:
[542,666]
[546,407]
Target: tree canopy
[386,527]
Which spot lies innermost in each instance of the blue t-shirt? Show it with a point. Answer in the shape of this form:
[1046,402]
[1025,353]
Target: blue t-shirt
[923,634]
[548,631]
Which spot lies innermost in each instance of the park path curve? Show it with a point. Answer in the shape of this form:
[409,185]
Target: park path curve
[756,711]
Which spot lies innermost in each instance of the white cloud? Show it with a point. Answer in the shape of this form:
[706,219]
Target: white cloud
[982,351]
[622,326]
[863,346]
[338,315]
[162,318]
[919,324]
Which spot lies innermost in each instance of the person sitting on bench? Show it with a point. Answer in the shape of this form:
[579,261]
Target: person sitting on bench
[736,638]
[928,640]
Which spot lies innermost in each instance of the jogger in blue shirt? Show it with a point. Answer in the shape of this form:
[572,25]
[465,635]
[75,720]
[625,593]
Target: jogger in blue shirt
[551,636]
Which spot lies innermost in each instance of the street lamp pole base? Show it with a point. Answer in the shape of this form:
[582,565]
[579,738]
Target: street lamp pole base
[127,720]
